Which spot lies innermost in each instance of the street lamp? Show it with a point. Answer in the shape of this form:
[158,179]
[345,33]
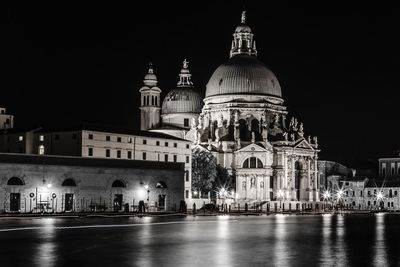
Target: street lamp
[326,196]
[379,197]
[339,196]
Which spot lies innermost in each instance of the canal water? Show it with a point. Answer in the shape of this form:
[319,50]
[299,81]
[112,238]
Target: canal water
[274,240]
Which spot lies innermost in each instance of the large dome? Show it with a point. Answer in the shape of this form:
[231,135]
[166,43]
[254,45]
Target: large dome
[182,100]
[243,74]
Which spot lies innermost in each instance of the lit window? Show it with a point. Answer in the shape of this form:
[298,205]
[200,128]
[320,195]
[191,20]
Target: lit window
[90,151]
[41,138]
[41,150]
[20,138]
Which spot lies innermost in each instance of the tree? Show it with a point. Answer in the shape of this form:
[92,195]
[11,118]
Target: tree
[223,179]
[204,170]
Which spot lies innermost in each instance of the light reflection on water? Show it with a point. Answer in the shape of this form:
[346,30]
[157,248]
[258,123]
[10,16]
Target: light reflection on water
[277,240]
[46,247]
[380,248]
[280,248]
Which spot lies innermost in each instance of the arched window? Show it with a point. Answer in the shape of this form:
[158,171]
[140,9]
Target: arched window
[152,100]
[156,101]
[161,184]
[118,183]
[252,163]
[15,181]
[68,182]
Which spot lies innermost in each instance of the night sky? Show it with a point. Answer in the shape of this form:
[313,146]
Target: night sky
[338,65]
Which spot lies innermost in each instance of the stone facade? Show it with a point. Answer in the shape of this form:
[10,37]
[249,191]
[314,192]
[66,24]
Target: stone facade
[29,183]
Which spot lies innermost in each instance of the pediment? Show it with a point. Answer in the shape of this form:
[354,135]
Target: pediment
[304,145]
[255,148]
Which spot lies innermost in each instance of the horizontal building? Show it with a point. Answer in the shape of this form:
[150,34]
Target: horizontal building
[94,141]
[36,183]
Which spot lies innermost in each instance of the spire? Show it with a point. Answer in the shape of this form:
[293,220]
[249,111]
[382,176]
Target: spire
[150,79]
[243,43]
[185,76]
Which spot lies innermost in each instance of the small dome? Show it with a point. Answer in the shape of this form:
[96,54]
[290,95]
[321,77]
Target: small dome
[243,74]
[182,100]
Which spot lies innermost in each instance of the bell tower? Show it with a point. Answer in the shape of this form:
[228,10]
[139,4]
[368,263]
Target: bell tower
[149,101]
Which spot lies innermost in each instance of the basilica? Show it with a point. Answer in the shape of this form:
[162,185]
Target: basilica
[243,122]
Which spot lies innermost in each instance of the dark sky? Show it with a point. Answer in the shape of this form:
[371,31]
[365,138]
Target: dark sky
[338,65]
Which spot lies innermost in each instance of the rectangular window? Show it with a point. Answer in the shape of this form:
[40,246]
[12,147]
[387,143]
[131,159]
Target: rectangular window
[119,154]
[157,143]
[41,150]
[361,193]
[186,122]
[187,159]
[252,162]
[144,142]
[166,157]
[41,138]
[90,151]
[129,154]
[129,140]
[57,137]
[175,158]
[108,138]
[187,193]
[20,138]
[187,146]
[187,176]
[90,136]
[107,153]
[166,143]
[175,145]
[119,139]
[144,157]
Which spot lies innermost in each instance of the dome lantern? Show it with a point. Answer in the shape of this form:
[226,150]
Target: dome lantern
[243,42]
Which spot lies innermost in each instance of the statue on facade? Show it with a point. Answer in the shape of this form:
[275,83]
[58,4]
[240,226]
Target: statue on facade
[315,139]
[220,120]
[253,137]
[236,132]
[248,122]
[309,139]
[209,147]
[217,135]
[301,130]
[206,121]
[200,121]
[292,137]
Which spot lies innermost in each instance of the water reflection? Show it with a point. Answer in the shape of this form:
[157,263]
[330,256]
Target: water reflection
[326,250]
[340,244]
[223,251]
[46,248]
[379,247]
[280,249]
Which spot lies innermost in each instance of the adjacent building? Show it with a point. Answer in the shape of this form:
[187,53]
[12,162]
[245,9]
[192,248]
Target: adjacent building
[6,120]
[42,183]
